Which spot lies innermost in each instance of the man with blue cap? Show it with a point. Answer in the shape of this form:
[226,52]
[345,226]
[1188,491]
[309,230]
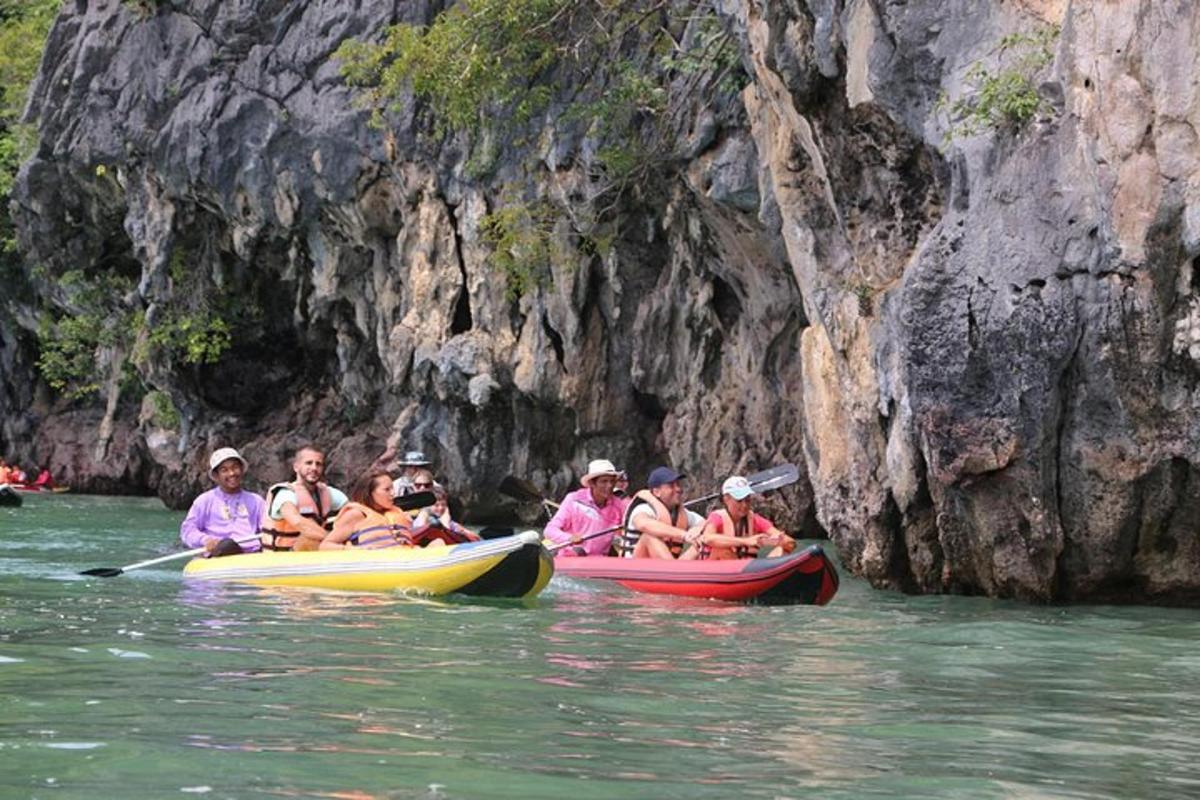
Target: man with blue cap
[656,523]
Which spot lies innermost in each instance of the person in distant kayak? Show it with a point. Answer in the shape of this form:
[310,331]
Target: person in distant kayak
[657,525]
[735,531]
[371,518]
[588,511]
[296,511]
[5,472]
[435,523]
[44,480]
[224,520]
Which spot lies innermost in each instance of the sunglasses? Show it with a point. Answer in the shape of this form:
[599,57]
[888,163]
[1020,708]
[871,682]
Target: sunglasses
[423,485]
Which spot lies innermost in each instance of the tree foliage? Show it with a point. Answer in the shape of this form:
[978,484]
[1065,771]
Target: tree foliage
[1002,91]
[623,73]
[24,25]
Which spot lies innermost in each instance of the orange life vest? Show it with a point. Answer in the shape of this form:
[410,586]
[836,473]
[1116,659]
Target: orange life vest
[629,537]
[279,534]
[378,529]
[729,528]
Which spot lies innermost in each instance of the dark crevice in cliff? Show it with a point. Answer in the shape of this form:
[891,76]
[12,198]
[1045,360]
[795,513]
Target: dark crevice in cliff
[890,522]
[650,406]
[462,320]
[710,371]
[725,303]
[556,341]
[1068,378]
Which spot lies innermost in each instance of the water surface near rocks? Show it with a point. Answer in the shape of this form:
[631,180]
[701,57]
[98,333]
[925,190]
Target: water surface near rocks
[143,686]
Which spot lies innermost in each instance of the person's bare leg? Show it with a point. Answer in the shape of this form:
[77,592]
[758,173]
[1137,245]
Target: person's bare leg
[651,547]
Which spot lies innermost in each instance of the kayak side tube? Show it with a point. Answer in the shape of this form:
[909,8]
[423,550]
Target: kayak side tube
[806,576]
[431,571]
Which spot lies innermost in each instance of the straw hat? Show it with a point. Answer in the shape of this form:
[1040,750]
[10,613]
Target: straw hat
[598,469]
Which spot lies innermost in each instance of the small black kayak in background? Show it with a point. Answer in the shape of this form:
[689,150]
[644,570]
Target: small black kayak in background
[9,496]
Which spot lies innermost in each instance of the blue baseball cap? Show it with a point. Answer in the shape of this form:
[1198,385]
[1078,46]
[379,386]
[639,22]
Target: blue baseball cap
[660,476]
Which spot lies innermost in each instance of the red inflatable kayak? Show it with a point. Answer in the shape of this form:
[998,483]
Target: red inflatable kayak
[805,576]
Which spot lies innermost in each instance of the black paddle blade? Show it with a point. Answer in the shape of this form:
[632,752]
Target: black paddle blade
[520,489]
[408,502]
[103,572]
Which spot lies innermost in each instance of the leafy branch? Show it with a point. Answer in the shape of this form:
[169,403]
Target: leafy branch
[1005,94]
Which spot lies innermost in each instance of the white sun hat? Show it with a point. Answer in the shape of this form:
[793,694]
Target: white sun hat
[222,455]
[597,469]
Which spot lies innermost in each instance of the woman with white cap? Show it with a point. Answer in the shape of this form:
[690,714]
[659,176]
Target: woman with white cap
[224,520]
[586,511]
[735,531]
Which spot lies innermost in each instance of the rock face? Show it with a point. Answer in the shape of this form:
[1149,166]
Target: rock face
[983,351]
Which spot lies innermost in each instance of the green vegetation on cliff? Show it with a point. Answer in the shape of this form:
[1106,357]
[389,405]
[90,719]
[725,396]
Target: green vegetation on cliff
[24,25]
[625,75]
[1002,91]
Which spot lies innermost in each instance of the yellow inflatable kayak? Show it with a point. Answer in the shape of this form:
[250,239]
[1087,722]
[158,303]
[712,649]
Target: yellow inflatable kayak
[514,566]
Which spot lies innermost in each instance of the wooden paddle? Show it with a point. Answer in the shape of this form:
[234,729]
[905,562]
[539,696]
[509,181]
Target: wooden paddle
[406,502]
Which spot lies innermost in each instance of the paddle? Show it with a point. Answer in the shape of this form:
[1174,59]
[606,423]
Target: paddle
[408,502]
[765,481]
[112,572]
[554,548]
[405,503]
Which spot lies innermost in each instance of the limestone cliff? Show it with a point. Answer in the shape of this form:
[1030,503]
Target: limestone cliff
[983,349]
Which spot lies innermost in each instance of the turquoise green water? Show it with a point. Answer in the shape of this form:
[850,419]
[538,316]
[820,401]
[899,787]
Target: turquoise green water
[143,686]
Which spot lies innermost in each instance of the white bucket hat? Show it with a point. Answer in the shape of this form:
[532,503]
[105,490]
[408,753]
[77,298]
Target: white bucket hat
[737,487]
[222,455]
[597,469]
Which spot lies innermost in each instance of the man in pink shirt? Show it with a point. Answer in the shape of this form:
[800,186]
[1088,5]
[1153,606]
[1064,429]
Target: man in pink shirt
[587,511]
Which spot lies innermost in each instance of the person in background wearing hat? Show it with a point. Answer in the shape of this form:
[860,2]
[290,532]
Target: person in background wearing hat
[737,532]
[411,465]
[588,511]
[657,525]
[224,520]
[296,511]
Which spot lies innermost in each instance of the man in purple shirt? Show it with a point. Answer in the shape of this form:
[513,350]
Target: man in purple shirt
[589,510]
[224,520]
